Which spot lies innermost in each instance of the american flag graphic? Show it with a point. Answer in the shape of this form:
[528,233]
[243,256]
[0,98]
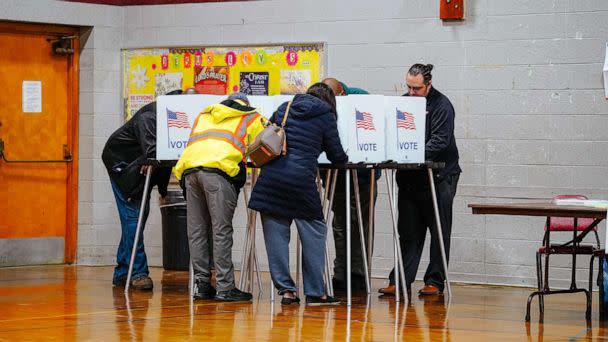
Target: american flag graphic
[365,120]
[177,119]
[405,120]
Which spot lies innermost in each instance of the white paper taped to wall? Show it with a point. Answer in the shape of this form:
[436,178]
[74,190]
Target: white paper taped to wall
[606,74]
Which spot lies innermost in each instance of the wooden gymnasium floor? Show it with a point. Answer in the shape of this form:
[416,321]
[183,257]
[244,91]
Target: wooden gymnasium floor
[78,303]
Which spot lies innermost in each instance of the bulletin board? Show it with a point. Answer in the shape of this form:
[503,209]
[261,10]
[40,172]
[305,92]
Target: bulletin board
[254,70]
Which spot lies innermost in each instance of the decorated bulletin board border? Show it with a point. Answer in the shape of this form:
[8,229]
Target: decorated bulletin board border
[254,70]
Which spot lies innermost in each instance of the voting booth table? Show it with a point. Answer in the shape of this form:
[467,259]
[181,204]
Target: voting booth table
[377,132]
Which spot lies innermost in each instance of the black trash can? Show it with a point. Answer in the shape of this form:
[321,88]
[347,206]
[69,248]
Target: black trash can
[176,255]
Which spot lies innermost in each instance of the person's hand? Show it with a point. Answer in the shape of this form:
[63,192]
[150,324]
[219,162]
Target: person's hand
[144,169]
[162,200]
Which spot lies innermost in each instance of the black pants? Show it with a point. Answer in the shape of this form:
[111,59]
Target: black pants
[416,215]
[339,230]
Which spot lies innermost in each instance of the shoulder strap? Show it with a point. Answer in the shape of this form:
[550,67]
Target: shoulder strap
[286,113]
[284,149]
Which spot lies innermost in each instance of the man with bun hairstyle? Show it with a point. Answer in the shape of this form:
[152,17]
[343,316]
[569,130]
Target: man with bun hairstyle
[415,204]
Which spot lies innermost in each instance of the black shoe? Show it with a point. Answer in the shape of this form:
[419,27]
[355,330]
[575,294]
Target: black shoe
[234,295]
[289,301]
[358,282]
[120,282]
[338,284]
[316,301]
[204,290]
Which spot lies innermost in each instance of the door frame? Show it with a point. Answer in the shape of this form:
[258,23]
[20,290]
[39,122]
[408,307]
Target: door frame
[52,30]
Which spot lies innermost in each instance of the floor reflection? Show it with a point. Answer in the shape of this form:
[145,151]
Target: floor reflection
[71,303]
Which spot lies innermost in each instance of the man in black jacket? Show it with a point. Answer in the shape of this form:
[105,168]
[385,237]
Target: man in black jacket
[124,156]
[415,204]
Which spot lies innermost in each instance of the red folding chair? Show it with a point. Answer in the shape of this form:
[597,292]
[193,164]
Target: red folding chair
[573,247]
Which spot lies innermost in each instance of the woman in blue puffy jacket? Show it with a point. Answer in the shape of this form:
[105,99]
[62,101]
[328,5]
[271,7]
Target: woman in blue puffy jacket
[286,191]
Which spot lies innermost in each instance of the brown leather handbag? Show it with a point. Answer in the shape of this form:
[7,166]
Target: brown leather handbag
[270,143]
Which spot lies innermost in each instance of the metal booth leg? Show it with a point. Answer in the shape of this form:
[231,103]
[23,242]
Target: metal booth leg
[244,258]
[370,222]
[328,285]
[248,263]
[348,241]
[253,258]
[439,232]
[299,285]
[399,270]
[144,200]
[361,232]
[191,279]
[332,192]
[327,201]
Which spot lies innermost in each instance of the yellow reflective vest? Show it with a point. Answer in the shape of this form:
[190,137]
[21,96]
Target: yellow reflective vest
[219,139]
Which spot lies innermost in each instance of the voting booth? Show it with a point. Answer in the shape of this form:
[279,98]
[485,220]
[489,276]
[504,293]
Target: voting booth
[362,121]
[377,132]
[175,117]
[405,128]
[373,128]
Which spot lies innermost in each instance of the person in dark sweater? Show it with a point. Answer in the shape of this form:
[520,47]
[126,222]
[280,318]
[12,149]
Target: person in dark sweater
[124,157]
[286,191]
[415,204]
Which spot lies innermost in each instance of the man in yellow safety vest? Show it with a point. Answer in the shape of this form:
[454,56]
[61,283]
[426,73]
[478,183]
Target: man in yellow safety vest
[213,170]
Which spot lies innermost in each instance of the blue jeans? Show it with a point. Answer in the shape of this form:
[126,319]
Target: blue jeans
[312,236]
[129,212]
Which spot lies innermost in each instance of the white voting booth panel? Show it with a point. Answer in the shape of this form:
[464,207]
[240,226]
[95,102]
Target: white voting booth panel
[267,105]
[342,131]
[376,128]
[361,118]
[172,130]
[405,128]
[372,128]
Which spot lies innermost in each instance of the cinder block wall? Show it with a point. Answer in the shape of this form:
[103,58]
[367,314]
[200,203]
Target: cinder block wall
[524,77]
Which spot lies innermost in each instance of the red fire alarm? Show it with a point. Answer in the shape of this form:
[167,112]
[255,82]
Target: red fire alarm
[451,9]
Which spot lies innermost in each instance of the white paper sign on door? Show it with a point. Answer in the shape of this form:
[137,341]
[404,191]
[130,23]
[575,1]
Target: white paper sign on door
[31,96]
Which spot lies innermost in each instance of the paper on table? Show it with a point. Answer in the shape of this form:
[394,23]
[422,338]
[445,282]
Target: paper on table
[586,203]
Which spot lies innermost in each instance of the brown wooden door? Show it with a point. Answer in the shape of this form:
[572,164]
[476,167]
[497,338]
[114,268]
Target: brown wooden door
[38,131]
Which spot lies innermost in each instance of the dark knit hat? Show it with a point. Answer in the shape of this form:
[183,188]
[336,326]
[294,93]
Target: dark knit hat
[239,96]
